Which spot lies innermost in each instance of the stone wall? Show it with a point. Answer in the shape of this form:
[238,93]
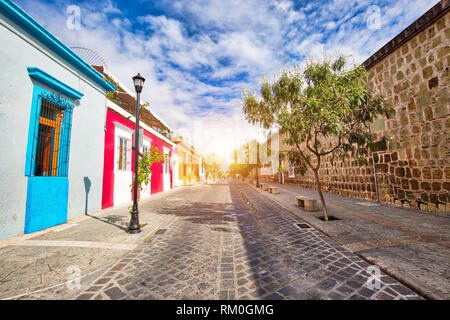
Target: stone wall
[414,170]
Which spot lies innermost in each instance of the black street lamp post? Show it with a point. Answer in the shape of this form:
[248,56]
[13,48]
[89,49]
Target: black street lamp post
[134,226]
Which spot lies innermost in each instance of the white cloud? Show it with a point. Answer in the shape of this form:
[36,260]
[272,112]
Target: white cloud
[192,54]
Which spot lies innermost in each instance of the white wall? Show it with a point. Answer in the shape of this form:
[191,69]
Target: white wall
[122,178]
[175,170]
[17,52]
[166,175]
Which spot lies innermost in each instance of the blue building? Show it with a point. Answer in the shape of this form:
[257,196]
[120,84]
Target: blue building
[52,116]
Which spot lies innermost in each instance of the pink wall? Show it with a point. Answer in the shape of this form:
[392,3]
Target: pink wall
[157,181]
[108,163]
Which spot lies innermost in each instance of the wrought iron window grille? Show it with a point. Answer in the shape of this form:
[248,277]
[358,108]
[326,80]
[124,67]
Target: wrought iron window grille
[52,135]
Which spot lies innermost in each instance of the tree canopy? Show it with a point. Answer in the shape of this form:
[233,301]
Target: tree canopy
[323,109]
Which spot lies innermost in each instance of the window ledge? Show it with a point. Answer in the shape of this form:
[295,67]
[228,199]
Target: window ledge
[50,81]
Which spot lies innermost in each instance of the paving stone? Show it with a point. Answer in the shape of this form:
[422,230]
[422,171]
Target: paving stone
[287,291]
[326,284]
[402,289]
[209,245]
[115,293]
[365,292]
[241,282]
[84,296]
[274,296]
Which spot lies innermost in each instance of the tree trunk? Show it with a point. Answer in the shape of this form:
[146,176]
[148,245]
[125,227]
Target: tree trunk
[319,191]
[257,176]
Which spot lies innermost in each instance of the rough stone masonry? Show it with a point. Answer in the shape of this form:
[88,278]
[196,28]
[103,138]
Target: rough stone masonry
[412,73]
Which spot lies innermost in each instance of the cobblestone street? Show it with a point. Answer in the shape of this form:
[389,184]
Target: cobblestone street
[233,243]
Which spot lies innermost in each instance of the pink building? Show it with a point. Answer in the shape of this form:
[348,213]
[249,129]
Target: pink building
[118,167]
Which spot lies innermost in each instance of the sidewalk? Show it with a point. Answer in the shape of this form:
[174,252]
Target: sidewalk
[38,265]
[412,246]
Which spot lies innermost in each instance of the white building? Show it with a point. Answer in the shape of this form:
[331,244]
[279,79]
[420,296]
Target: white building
[52,116]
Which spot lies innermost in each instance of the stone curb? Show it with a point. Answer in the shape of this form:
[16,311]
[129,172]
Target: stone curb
[74,221]
[424,290]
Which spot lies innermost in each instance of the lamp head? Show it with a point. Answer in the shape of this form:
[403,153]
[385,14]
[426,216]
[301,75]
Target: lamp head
[138,81]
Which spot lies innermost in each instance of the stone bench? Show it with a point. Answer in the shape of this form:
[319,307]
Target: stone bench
[265,186]
[274,190]
[306,203]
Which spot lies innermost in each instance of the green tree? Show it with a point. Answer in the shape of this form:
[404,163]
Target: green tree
[233,169]
[242,169]
[212,164]
[145,164]
[324,109]
[145,167]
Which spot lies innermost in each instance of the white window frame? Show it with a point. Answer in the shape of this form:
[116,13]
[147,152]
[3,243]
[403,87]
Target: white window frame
[125,133]
[147,143]
[125,152]
[166,160]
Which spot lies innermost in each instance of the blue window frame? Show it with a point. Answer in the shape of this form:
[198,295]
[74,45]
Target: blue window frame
[50,126]
[49,135]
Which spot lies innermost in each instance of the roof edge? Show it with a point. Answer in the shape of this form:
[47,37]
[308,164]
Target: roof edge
[133,94]
[111,105]
[436,12]
[16,14]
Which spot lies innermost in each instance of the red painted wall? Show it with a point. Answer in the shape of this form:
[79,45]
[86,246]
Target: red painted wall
[157,181]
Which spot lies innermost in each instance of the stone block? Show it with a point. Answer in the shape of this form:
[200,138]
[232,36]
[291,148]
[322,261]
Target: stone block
[436,186]
[446,185]
[274,190]
[433,83]
[400,172]
[444,51]
[310,205]
[436,41]
[422,36]
[440,23]
[299,201]
[425,186]
[437,174]
[426,172]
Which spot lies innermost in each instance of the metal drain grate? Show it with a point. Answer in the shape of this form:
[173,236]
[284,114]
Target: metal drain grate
[161,231]
[303,225]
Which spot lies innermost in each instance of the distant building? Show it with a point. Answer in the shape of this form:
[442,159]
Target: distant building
[189,163]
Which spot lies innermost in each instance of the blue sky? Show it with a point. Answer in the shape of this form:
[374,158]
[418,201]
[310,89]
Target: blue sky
[197,56]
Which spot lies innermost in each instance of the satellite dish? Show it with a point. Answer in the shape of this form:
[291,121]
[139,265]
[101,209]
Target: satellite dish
[90,56]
